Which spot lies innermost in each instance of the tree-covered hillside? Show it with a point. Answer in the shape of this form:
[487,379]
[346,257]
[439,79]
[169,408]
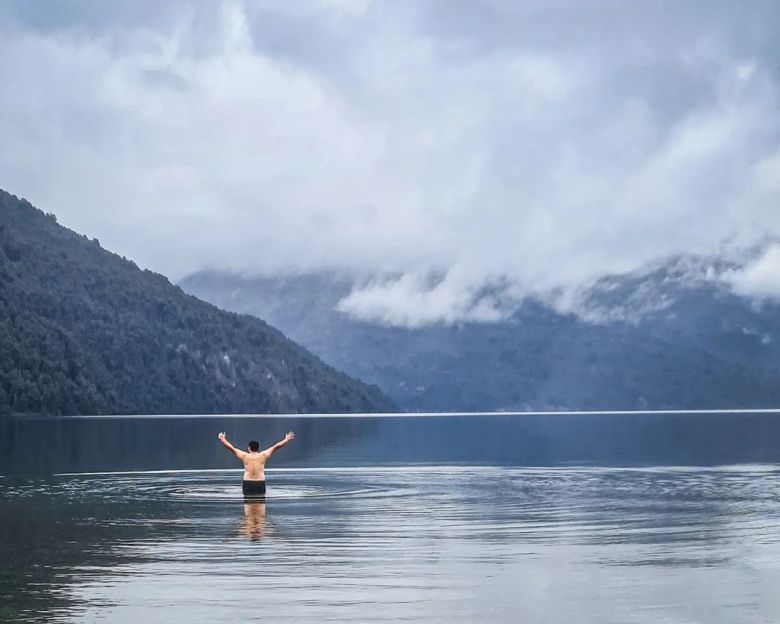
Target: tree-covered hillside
[84,331]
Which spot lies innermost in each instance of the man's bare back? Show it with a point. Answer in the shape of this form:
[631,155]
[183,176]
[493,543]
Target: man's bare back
[254,466]
[254,460]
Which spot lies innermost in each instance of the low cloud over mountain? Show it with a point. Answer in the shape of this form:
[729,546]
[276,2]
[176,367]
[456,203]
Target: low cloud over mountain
[675,334]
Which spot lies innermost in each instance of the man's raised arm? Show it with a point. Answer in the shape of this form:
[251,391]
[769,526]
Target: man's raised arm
[270,450]
[221,437]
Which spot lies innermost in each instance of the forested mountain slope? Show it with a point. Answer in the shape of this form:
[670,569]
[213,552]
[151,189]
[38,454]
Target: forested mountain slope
[84,331]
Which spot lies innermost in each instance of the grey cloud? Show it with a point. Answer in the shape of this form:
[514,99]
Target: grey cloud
[86,18]
[634,31]
[538,145]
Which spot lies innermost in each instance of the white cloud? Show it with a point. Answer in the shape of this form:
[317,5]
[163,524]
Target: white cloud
[746,70]
[373,138]
[759,279]
[414,300]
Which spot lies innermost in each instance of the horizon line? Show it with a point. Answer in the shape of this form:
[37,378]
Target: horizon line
[313,415]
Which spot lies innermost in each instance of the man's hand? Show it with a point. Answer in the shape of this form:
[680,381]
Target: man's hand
[221,437]
[290,436]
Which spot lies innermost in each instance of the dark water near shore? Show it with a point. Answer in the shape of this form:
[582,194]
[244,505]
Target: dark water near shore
[531,538]
[150,443]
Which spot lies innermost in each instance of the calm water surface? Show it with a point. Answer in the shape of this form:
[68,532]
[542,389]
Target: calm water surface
[416,543]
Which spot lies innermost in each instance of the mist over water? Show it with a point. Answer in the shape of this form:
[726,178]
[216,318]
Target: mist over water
[496,518]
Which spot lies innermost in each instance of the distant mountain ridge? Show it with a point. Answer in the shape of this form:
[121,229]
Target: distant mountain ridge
[84,331]
[666,337]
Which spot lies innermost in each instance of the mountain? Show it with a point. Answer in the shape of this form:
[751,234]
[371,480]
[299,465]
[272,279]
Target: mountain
[666,337]
[84,331]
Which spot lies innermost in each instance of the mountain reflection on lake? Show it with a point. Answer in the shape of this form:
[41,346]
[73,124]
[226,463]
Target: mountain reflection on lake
[403,542]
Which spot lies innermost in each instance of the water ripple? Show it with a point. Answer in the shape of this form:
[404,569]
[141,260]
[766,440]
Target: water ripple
[439,544]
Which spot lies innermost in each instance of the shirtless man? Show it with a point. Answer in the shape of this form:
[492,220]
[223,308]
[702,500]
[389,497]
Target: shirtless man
[254,462]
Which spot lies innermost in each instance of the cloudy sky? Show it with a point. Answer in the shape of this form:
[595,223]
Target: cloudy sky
[540,143]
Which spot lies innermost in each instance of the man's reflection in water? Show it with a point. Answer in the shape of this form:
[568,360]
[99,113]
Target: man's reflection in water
[253,524]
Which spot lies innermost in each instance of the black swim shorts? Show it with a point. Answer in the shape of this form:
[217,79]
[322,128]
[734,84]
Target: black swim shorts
[253,488]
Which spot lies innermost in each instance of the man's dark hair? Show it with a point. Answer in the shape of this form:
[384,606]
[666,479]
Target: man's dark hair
[254,446]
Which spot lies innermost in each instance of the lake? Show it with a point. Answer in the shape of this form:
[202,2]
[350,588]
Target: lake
[493,518]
